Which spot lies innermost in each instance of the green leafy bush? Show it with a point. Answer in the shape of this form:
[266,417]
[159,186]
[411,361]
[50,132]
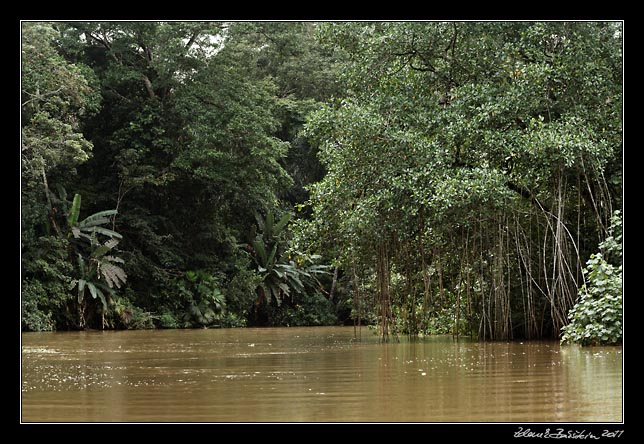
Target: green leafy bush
[232,320]
[46,275]
[307,309]
[168,320]
[33,317]
[204,301]
[596,319]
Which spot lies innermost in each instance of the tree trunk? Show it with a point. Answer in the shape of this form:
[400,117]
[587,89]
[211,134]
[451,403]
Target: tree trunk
[52,219]
[333,283]
[148,86]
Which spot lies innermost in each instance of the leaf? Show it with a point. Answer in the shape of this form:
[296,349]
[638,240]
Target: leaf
[101,296]
[107,246]
[268,226]
[81,290]
[81,264]
[271,256]
[62,192]
[72,219]
[104,231]
[282,223]
[92,289]
[261,251]
[298,286]
[285,288]
[114,275]
[99,218]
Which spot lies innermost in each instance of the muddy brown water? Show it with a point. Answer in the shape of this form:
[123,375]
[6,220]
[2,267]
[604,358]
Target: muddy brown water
[311,374]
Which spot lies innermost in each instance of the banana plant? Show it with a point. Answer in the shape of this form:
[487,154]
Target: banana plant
[91,224]
[99,274]
[99,270]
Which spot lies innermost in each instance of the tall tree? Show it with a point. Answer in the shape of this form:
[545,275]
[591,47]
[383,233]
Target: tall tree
[55,96]
[485,153]
[185,147]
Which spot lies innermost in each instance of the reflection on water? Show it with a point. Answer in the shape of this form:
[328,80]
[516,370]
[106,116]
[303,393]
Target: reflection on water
[311,374]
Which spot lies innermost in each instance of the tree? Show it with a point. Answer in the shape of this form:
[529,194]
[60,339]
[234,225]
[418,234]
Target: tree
[184,148]
[95,265]
[55,96]
[469,166]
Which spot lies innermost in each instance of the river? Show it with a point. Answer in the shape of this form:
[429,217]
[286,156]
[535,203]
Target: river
[311,374]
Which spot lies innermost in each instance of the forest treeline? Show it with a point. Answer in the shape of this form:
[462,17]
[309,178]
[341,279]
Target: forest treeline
[421,177]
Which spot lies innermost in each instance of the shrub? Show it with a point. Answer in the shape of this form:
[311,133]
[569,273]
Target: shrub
[45,290]
[305,310]
[168,320]
[596,319]
[33,318]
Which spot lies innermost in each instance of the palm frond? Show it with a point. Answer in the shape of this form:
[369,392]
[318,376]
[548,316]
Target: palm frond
[114,259]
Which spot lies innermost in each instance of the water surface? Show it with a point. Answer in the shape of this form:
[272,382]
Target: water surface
[311,374]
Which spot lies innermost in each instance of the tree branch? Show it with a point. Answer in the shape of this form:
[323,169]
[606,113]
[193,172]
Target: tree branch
[527,195]
[148,86]
[193,37]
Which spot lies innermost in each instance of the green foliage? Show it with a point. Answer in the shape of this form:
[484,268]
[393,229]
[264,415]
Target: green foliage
[54,94]
[440,167]
[458,144]
[185,145]
[46,275]
[203,301]
[94,264]
[232,320]
[33,317]
[168,320]
[283,274]
[309,309]
[596,319]
[124,314]
[72,219]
